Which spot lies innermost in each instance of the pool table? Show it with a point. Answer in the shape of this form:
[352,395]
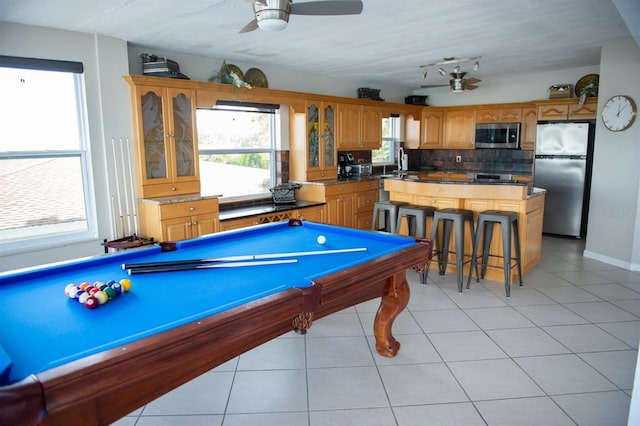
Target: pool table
[63,364]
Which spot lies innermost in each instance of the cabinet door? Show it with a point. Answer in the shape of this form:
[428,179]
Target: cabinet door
[412,131]
[585,111]
[532,238]
[553,112]
[182,124]
[152,118]
[459,128]
[371,128]
[432,122]
[340,210]
[529,127]
[176,229]
[204,224]
[321,141]
[349,132]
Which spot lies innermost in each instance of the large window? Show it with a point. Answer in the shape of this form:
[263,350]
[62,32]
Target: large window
[390,137]
[45,195]
[237,146]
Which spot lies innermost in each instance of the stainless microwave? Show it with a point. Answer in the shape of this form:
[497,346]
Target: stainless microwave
[497,135]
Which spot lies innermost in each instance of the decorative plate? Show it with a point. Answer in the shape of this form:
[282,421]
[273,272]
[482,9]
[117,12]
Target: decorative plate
[225,73]
[586,81]
[256,78]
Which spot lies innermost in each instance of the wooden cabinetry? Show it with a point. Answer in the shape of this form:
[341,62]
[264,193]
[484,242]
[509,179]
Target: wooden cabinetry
[498,115]
[165,140]
[313,143]
[568,109]
[366,195]
[174,221]
[359,127]
[459,128]
[529,128]
[432,123]
[339,207]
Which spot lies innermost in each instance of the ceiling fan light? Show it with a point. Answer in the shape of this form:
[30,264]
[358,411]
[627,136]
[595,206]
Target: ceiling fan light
[442,71]
[272,19]
[456,69]
[476,66]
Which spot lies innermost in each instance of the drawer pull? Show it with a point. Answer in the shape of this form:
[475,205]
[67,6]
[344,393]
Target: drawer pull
[174,188]
[192,209]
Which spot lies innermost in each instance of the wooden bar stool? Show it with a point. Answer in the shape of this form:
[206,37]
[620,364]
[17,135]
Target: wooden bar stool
[416,219]
[455,218]
[387,210]
[507,221]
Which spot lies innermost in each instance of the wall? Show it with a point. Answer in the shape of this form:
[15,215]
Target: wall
[613,233]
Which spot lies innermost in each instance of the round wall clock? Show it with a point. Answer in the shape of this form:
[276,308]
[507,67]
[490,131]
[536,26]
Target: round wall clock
[618,113]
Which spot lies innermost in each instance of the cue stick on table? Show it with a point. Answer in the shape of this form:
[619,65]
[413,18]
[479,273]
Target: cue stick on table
[132,266]
[189,267]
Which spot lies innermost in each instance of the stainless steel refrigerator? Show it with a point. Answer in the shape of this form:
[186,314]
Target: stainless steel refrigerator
[563,167]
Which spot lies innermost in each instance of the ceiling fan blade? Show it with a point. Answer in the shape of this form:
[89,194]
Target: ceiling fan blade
[348,7]
[472,80]
[251,26]
[433,85]
[470,87]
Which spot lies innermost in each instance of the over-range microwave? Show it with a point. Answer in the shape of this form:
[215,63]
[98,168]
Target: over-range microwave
[497,135]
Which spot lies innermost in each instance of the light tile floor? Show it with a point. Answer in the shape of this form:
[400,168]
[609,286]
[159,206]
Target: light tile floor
[561,351]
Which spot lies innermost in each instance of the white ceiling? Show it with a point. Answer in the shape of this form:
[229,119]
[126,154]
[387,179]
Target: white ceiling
[386,44]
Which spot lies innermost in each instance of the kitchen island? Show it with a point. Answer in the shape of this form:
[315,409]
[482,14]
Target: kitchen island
[477,196]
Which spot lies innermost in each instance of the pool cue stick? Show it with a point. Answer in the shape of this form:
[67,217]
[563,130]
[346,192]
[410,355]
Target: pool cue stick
[115,221]
[132,189]
[115,171]
[190,267]
[238,258]
[124,189]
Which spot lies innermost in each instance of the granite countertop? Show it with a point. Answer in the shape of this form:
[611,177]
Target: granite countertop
[242,212]
[170,199]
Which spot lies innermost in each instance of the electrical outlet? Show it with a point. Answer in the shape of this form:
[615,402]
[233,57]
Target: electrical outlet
[458,158]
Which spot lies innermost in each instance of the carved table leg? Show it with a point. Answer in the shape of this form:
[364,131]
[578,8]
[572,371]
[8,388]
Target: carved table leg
[393,302]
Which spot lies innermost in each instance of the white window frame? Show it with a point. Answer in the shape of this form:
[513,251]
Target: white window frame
[64,234]
[392,140]
[275,134]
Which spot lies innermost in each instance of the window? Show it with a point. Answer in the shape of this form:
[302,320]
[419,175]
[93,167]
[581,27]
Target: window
[237,146]
[390,138]
[44,175]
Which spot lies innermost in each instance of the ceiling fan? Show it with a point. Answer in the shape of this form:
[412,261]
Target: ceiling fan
[273,15]
[458,83]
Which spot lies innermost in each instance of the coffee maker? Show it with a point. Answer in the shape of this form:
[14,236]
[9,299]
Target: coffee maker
[345,165]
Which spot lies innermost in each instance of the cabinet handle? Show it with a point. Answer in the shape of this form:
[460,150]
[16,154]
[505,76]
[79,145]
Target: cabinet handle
[194,222]
[174,188]
[192,208]
[188,223]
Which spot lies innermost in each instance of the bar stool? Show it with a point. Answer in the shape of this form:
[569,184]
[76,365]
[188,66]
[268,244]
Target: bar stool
[507,220]
[388,210]
[457,219]
[416,219]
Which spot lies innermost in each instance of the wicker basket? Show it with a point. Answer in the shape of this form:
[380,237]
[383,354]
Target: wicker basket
[284,194]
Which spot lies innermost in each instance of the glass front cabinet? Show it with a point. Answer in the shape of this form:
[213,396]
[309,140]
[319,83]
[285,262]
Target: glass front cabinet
[165,141]
[321,155]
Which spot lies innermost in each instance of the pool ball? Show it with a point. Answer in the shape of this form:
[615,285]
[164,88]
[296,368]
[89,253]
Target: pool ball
[321,239]
[101,296]
[91,302]
[126,284]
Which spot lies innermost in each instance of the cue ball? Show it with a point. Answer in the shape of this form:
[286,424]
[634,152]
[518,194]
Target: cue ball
[321,239]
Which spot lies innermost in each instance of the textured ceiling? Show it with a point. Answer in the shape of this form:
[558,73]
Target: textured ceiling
[386,44]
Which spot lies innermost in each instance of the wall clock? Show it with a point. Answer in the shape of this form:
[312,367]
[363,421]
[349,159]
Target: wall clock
[618,113]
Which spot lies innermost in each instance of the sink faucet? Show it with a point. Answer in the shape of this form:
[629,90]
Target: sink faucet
[400,157]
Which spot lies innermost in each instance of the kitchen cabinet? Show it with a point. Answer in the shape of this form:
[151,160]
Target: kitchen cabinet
[568,109]
[459,128]
[431,126]
[498,115]
[179,220]
[529,128]
[340,200]
[359,127]
[366,195]
[313,147]
[531,231]
[165,140]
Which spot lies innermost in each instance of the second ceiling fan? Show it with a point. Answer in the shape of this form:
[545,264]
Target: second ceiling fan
[273,15]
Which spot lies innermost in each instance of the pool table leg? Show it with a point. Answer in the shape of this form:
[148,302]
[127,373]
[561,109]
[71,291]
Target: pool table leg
[394,300]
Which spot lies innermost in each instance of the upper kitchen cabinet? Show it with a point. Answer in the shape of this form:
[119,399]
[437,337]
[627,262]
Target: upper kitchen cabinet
[529,128]
[567,109]
[359,127]
[313,147]
[432,126]
[459,128]
[165,140]
[498,115]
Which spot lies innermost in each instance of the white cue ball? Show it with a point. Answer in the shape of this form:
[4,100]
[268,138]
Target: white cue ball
[321,239]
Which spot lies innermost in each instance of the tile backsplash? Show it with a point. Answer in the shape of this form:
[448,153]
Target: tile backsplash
[510,161]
